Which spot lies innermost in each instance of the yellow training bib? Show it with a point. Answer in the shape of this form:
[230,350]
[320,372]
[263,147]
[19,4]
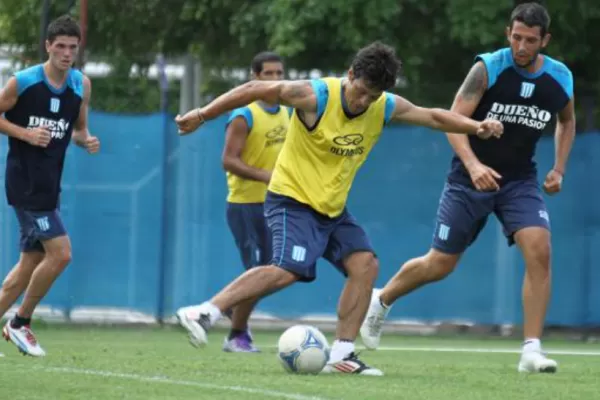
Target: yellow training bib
[263,144]
[317,167]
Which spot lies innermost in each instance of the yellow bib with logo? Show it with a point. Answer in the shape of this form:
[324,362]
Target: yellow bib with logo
[263,144]
[317,167]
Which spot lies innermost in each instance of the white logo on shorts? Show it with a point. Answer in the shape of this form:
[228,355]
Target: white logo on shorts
[298,253]
[444,232]
[43,223]
[544,215]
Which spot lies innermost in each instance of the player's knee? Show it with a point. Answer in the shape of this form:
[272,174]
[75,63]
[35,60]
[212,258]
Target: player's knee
[538,256]
[535,244]
[278,276]
[61,256]
[363,266]
[439,265]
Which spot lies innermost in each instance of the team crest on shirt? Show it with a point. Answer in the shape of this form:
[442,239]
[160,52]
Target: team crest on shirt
[54,105]
[527,89]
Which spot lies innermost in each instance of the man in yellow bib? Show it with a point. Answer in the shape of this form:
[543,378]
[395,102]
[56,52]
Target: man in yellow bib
[254,138]
[334,126]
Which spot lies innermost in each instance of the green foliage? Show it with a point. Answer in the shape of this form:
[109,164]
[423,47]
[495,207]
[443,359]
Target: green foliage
[436,39]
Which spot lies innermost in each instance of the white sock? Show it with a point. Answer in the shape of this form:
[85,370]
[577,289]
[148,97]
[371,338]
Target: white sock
[340,350]
[214,312]
[532,344]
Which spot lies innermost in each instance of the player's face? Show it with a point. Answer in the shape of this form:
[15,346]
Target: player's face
[359,95]
[526,43]
[271,71]
[62,51]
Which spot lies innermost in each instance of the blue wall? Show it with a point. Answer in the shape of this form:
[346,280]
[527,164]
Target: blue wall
[114,204]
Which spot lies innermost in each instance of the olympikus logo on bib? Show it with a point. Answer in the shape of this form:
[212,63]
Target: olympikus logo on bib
[58,129]
[530,116]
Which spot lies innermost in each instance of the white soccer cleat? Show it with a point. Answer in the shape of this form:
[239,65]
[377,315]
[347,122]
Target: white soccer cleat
[535,361]
[24,339]
[372,326]
[351,365]
[196,320]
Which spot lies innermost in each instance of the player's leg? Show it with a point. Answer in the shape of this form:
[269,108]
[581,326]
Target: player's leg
[350,250]
[297,244]
[18,278]
[47,228]
[522,211]
[461,215]
[247,224]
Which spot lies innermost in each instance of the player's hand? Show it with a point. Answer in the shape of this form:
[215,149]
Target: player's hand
[484,178]
[39,136]
[189,122]
[490,128]
[553,182]
[92,144]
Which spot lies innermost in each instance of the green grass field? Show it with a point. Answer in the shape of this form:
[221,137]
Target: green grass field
[148,364]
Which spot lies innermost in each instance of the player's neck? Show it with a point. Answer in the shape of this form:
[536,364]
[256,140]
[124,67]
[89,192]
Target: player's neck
[55,76]
[536,65]
[266,105]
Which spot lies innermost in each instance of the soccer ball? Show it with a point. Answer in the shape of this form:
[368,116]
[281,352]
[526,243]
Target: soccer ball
[303,349]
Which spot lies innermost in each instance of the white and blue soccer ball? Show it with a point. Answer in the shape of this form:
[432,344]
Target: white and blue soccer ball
[303,349]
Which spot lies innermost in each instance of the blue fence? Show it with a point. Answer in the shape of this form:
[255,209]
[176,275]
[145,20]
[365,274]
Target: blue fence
[151,200]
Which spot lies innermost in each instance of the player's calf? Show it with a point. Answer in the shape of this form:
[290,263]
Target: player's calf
[56,259]
[415,273]
[253,284]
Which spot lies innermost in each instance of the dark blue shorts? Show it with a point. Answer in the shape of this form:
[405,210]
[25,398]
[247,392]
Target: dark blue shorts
[37,227]
[250,232]
[301,236]
[463,212]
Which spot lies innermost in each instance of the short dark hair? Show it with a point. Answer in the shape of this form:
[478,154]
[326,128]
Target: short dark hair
[63,26]
[263,57]
[531,14]
[377,65]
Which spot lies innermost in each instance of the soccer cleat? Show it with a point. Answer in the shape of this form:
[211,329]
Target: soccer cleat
[351,365]
[196,320]
[24,339]
[535,361]
[240,344]
[370,331]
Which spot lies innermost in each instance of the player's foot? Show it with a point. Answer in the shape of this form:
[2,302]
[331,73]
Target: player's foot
[351,365]
[24,339]
[371,328]
[241,343]
[535,361]
[196,320]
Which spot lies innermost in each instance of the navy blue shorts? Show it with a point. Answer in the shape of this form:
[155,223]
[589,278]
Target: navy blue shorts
[463,212]
[301,236]
[250,232]
[37,227]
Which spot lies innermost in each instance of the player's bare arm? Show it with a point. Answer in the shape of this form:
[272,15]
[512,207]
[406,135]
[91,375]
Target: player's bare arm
[296,94]
[563,142]
[444,120]
[81,134]
[8,99]
[235,141]
[564,136]
[465,102]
